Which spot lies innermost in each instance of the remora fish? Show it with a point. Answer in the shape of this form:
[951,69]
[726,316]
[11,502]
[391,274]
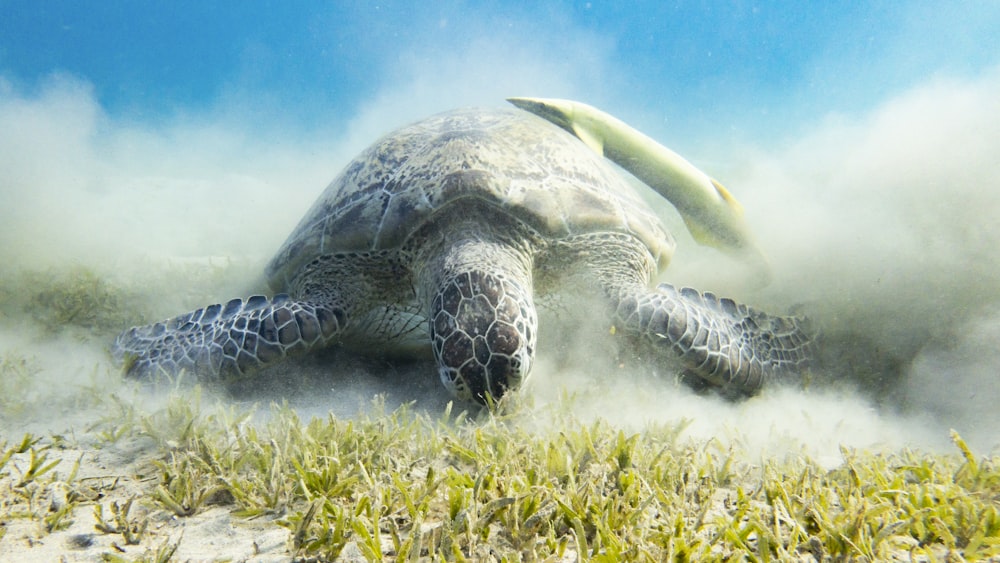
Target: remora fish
[710,212]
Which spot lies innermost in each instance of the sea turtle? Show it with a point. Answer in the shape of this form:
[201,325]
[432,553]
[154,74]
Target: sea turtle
[439,237]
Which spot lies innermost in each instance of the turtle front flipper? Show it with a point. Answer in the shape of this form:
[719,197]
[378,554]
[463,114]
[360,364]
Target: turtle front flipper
[725,344]
[228,340]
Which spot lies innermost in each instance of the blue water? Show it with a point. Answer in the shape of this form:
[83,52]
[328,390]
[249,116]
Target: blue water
[691,68]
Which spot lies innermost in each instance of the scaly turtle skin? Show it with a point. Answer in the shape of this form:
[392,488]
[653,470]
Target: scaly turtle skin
[440,236]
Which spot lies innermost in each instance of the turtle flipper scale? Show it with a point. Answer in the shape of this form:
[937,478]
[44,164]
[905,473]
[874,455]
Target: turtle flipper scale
[726,344]
[225,340]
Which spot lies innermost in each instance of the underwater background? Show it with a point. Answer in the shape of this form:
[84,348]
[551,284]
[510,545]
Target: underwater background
[154,156]
[167,149]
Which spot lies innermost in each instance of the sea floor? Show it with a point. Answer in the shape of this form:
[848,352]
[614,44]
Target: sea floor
[336,458]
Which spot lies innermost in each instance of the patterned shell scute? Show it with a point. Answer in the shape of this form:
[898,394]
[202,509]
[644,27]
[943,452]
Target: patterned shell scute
[520,163]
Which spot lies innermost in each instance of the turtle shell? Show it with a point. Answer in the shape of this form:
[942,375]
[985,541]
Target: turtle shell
[508,158]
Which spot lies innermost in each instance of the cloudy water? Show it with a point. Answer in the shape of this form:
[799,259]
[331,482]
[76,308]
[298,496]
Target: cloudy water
[170,161]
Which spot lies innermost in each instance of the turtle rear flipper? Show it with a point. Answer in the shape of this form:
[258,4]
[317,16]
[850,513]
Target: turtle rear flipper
[228,340]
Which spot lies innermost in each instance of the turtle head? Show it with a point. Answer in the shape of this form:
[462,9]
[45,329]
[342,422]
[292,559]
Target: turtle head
[483,330]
